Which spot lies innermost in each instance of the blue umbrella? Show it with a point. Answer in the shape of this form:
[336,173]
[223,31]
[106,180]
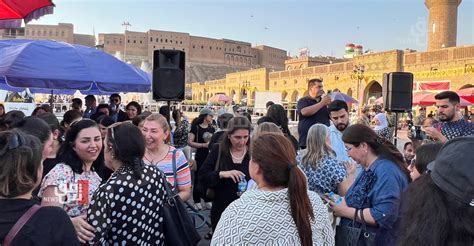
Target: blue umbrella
[93,91]
[50,64]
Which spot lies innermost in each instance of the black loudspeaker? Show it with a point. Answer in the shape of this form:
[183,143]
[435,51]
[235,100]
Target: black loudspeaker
[168,75]
[397,91]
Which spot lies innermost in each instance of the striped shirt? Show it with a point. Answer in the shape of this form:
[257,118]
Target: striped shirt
[183,173]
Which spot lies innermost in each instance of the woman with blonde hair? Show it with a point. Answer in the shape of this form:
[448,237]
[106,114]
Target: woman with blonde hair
[318,161]
[165,157]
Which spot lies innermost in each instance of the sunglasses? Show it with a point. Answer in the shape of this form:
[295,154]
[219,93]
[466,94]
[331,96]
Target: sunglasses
[112,132]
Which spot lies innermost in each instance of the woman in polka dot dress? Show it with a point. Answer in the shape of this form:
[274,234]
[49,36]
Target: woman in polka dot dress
[128,208]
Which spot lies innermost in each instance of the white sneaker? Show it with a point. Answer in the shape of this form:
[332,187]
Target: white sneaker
[208,205]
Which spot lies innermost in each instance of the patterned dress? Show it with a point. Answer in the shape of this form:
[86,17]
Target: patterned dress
[326,176]
[180,136]
[67,181]
[455,129]
[386,133]
[127,210]
[264,218]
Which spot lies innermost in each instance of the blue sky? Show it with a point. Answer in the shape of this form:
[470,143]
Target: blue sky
[322,26]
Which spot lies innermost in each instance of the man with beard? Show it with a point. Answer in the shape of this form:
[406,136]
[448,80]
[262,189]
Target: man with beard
[408,152]
[339,114]
[312,109]
[451,124]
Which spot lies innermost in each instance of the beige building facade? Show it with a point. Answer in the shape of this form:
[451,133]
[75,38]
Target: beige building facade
[63,32]
[450,65]
[306,61]
[199,50]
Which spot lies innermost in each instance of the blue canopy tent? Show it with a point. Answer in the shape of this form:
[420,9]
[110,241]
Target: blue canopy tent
[93,91]
[47,64]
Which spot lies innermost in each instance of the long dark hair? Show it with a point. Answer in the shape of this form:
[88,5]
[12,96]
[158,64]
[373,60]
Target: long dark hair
[66,153]
[275,155]
[198,120]
[431,216]
[128,145]
[136,105]
[70,116]
[177,117]
[278,114]
[34,126]
[236,123]
[358,133]
[425,154]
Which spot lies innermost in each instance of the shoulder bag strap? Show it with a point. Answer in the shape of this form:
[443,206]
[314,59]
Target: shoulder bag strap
[354,220]
[364,226]
[19,224]
[175,175]
[216,168]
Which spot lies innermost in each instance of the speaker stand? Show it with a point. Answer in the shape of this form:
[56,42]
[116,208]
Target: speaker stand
[395,138]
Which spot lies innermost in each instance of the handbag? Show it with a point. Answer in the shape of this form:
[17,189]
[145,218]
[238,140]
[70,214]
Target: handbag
[353,236]
[19,224]
[211,192]
[178,227]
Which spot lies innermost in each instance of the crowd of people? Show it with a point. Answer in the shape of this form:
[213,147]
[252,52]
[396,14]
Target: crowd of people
[100,176]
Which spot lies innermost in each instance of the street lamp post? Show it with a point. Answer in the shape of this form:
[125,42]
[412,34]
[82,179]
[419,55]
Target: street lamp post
[125,24]
[359,75]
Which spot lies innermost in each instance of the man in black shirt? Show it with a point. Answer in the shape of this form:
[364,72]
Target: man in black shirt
[312,109]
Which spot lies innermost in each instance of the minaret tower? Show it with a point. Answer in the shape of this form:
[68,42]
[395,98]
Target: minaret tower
[442,23]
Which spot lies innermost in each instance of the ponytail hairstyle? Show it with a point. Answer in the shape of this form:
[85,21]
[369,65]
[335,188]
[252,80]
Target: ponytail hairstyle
[128,145]
[358,133]
[20,160]
[276,156]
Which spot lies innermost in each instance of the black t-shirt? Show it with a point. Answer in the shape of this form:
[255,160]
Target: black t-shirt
[305,122]
[198,131]
[48,226]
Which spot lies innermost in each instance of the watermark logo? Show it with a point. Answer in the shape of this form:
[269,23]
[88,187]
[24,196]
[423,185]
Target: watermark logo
[77,192]
[418,33]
